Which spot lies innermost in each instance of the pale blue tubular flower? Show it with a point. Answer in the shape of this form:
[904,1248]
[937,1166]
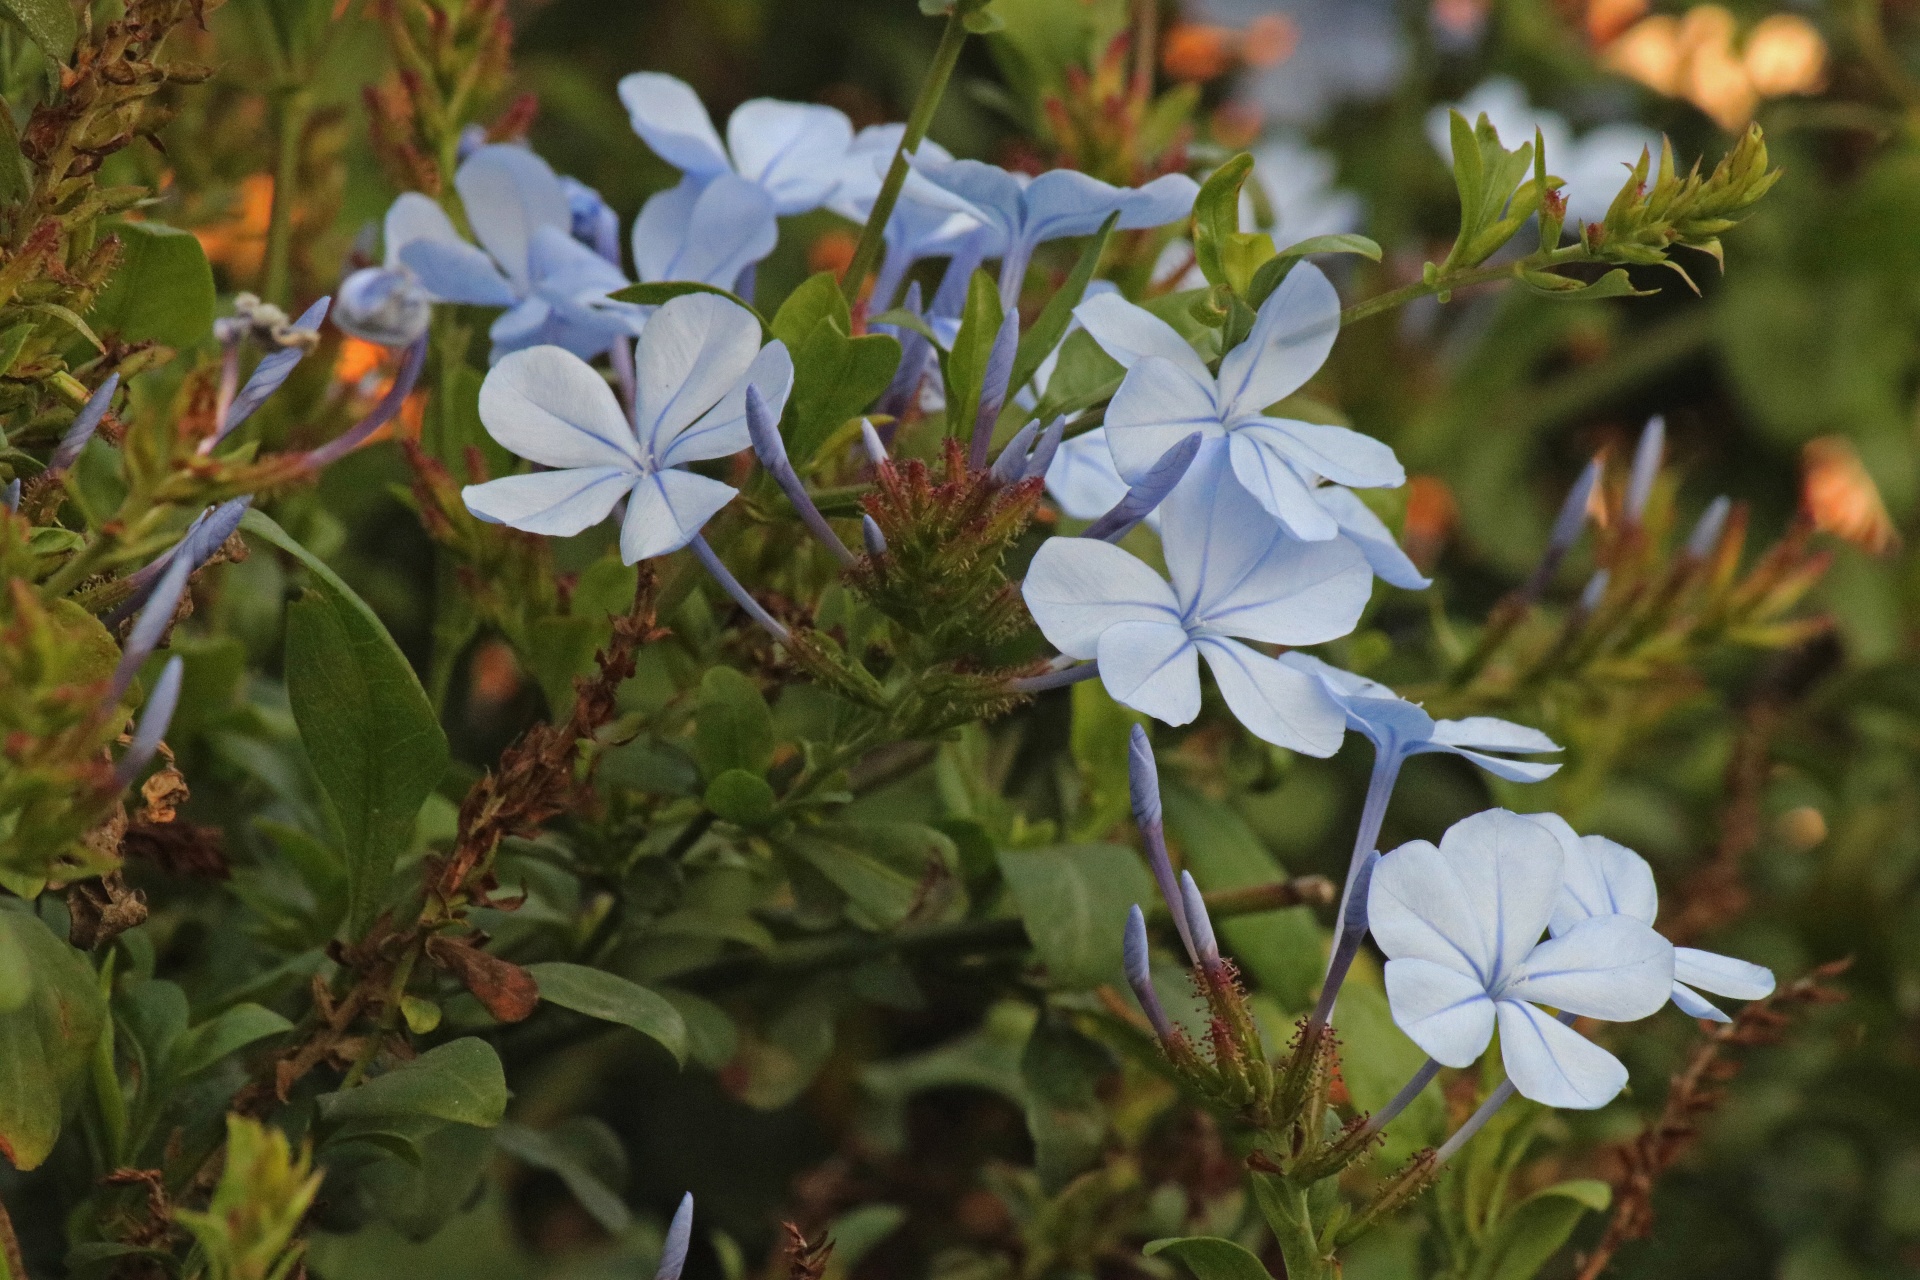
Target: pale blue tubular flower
[1168,392]
[795,151]
[1023,212]
[763,429]
[1706,532]
[151,624]
[693,363]
[1605,878]
[84,424]
[1461,926]
[923,224]
[1398,730]
[1235,574]
[711,232]
[673,1249]
[553,287]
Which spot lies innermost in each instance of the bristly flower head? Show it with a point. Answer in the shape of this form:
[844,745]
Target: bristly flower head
[1235,574]
[1605,878]
[1461,925]
[693,364]
[553,287]
[1169,392]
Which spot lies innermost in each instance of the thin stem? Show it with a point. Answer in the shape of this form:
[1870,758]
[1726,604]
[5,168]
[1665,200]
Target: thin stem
[731,585]
[1346,942]
[12,1265]
[1475,1122]
[867,251]
[1385,1116]
[1055,679]
[293,111]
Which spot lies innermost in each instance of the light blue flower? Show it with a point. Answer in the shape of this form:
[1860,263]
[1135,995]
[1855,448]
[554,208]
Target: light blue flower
[1398,727]
[1594,165]
[1236,575]
[693,363]
[1605,878]
[709,232]
[795,151]
[383,304]
[1168,393]
[1022,212]
[923,224]
[1461,925]
[553,287]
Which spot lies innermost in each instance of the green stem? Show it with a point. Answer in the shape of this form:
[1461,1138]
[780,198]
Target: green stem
[866,254]
[1443,283]
[292,110]
[1291,1219]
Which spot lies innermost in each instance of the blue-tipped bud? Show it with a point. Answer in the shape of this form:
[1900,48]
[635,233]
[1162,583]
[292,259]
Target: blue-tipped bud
[67,452]
[1706,534]
[384,306]
[1049,444]
[673,1250]
[1566,529]
[1595,591]
[915,353]
[1647,457]
[1143,779]
[994,386]
[471,139]
[764,430]
[1198,923]
[1139,500]
[153,724]
[1143,783]
[876,447]
[1140,974]
[1011,465]
[870,534]
[208,532]
[150,625]
[271,372]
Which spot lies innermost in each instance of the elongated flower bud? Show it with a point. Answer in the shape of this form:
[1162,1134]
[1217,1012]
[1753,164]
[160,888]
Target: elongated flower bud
[915,355]
[67,452]
[382,305]
[876,447]
[1198,923]
[150,626]
[1049,444]
[153,723]
[208,532]
[1143,783]
[1566,530]
[1011,465]
[870,534]
[1647,456]
[764,430]
[269,374]
[1140,974]
[1595,591]
[1706,533]
[673,1250]
[994,387]
[1143,779]
[1139,500]
[10,496]
[380,415]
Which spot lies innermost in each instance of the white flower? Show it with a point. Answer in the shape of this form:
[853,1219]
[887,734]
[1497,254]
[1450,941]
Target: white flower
[1461,924]
[1169,393]
[1235,574]
[692,365]
[1604,877]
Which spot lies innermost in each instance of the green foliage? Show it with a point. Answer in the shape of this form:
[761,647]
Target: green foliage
[459,1082]
[1073,899]
[611,998]
[1210,1258]
[834,375]
[163,290]
[51,1013]
[247,1231]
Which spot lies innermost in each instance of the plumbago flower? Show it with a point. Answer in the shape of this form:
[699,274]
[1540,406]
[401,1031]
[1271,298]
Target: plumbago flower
[1169,392]
[1235,574]
[794,151]
[922,225]
[693,363]
[712,233]
[554,288]
[1461,925]
[1605,878]
[1022,212]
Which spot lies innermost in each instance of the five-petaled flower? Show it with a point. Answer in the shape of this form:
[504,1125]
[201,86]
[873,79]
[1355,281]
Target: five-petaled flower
[692,366]
[794,151]
[1461,924]
[1604,878]
[554,287]
[1169,393]
[1235,574]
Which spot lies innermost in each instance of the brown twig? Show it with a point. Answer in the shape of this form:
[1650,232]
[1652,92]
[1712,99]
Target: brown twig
[1694,1091]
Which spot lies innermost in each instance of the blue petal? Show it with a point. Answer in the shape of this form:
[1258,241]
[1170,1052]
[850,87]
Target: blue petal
[1153,668]
[1601,878]
[1263,470]
[1159,404]
[666,510]
[457,272]
[1722,975]
[708,233]
[508,194]
[412,217]
[692,353]
[1611,967]
[1443,1011]
[1292,335]
[384,306]
[1276,704]
[1130,334]
[1340,455]
[551,407]
[796,150]
[1553,1064]
[1083,479]
[986,191]
[561,267]
[528,324]
[723,429]
[668,116]
[1695,1005]
[1368,532]
[558,504]
[1066,202]
[1078,587]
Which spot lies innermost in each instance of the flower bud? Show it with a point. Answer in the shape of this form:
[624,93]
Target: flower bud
[1140,976]
[383,305]
[673,1250]
[153,724]
[1199,923]
[67,452]
[1647,456]
[1139,500]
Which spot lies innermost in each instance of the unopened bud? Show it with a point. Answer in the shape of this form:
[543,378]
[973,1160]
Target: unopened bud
[384,306]
[1011,465]
[1199,923]
[673,1250]
[1140,974]
[876,447]
[1706,533]
[994,387]
[153,724]
[1595,591]
[870,534]
[1647,456]
[1049,444]
[1139,500]
[67,452]
[1566,529]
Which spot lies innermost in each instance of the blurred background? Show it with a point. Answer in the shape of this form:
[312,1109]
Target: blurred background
[1776,792]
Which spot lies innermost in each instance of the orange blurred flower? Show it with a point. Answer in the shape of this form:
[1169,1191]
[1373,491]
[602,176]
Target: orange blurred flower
[1431,513]
[239,242]
[1606,19]
[494,676]
[831,251]
[1841,498]
[1785,54]
[1198,51]
[1695,56]
[361,369]
[1270,40]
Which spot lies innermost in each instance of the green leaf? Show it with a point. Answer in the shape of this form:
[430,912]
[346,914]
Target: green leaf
[834,378]
[214,1039]
[1216,217]
[16,971]
[163,289]
[1210,1258]
[460,1081]
[1275,269]
[48,23]
[742,797]
[817,298]
[734,727]
[365,721]
[611,998]
[586,1155]
[46,1040]
[663,292]
[1046,332]
[966,365]
[1614,284]
[1525,1240]
[887,870]
[1074,900]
